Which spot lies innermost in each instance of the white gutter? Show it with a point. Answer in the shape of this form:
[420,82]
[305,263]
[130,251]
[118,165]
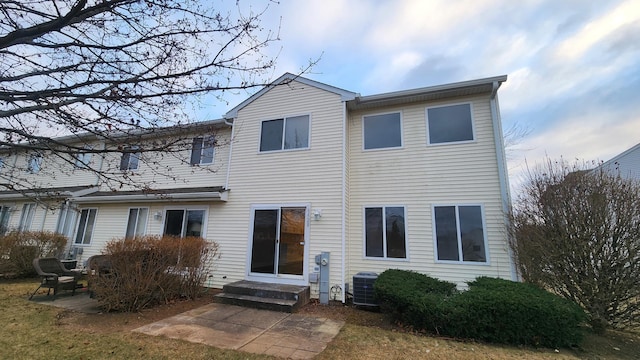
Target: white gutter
[196,196]
[233,130]
[344,198]
[502,169]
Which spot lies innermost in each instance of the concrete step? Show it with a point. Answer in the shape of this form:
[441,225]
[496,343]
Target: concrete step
[279,297]
[257,302]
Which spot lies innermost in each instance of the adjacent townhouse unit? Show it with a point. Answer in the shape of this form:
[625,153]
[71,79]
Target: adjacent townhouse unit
[414,180]
[627,163]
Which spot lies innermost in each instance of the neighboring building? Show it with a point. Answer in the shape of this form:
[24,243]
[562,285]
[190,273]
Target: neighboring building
[627,164]
[412,180]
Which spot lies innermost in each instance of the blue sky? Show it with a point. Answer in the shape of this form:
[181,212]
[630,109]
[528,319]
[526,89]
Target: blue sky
[573,65]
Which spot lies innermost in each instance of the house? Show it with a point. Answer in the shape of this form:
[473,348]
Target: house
[413,179]
[627,163]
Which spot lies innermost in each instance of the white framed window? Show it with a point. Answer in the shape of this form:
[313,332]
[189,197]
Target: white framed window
[288,133]
[449,124]
[137,222]
[85,226]
[26,217]
[130,159]
[34,163]
[5,215]
[385,232]
[460,233]
[203,150]
[382,131]
[83,159]
[185,222]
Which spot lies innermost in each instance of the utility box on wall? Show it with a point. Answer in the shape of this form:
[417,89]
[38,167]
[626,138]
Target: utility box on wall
[363,289]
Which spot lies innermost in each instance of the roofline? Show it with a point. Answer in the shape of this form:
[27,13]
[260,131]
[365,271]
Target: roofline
[495,82]
[617,157]
[345,95]
[193,196]
[112,135]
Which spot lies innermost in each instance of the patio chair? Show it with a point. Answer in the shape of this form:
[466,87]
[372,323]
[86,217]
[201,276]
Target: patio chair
[55,276]
[98,266]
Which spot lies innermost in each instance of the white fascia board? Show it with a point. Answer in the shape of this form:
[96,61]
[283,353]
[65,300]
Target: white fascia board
[197,196]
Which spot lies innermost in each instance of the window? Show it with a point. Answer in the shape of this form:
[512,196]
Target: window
[66,220]
[34,164]
[285,134]
[5,214]
[449,124]
[137,223]
[85,226]
[382,131]
[385,232]
[460,234]
[26,217]
[83,159]
[184,222]
[202,151]
[130,159]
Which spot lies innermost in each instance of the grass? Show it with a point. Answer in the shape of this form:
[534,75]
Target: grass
[33,331]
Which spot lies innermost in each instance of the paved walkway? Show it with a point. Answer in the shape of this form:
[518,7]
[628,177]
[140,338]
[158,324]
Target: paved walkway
[256,331]
[229,327]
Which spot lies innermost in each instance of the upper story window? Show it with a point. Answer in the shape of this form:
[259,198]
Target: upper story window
[451,123]
[83,159]
[130,159]
[203,151]
[385,233]
[285,134]
[460,233]
[34,163]
[382,131]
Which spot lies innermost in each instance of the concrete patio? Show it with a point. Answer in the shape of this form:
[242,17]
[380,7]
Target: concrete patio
[228,326]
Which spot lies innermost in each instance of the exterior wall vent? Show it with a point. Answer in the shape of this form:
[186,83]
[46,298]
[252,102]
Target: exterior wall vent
[363,288]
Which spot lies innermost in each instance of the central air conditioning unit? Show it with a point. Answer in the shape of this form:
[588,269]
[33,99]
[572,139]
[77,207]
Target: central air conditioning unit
[363,288]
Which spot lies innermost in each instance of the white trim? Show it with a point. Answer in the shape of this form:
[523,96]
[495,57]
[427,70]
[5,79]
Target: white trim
[231,141]
[194,196]
[473,127]
[279,278]
[487,261]
[384,256]
[344,203]
[27,214]
[387,147]
[503,176]
[284,127]
[202,148]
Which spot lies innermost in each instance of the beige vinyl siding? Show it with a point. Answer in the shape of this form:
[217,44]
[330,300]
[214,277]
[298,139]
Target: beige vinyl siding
[419,176]
[57,170]
[173,170]
[309,176]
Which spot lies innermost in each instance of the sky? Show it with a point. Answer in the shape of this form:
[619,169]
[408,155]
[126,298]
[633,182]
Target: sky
[573,66]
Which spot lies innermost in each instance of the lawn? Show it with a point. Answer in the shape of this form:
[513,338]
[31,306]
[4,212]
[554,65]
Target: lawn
[33,331]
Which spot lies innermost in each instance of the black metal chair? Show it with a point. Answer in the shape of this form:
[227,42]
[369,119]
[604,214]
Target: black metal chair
[53,275]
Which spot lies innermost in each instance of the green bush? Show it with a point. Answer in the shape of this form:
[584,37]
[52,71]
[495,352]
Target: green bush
[150,270]
[492,310]
[398,291]
[503,311]
[18,249]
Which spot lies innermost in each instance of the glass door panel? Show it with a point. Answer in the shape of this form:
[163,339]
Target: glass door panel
[265,231]
[291,247]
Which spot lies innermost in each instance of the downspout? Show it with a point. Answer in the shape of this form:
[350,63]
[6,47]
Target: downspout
[233,128]
[502,171]
[344,199]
